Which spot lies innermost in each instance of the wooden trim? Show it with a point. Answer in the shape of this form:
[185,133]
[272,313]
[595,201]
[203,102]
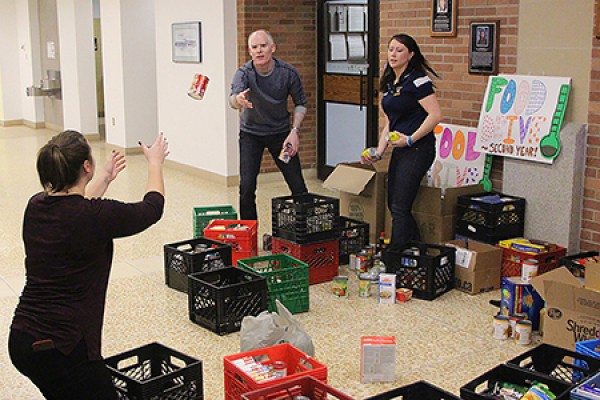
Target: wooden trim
[341,88]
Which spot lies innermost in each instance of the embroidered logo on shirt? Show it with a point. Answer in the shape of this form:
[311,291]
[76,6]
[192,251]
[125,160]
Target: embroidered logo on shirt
[422,80]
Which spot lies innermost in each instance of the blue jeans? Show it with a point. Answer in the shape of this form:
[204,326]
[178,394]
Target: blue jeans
[407,168]
[59,376]
[251,152]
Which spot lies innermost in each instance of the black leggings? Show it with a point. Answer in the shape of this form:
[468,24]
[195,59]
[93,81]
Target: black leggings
[59,376]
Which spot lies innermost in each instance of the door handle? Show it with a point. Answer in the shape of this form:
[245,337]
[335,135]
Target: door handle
[362,89]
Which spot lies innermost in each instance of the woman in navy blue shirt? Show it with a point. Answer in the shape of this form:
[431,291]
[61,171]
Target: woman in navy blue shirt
[412,111]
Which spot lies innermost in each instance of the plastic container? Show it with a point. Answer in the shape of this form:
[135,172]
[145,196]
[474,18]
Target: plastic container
[183,258]
[512,260]
[322,257]
[241,235]
[286,277]
[203,215]
[156,372]
[306,386]
[428,270]
[480,387]
[354,236]
[557,363]
[299,364]
[420,390]
[305,218]
[219,300]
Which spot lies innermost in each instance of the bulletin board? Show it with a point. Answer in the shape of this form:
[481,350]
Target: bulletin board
[457,163]
[521,117]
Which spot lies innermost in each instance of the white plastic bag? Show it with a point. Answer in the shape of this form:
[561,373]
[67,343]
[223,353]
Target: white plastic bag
[268,329]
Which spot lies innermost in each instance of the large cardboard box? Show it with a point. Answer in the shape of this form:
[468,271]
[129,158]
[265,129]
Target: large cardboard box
[477,267]
[592,276]
[362,193]
[572,310]
[434,210]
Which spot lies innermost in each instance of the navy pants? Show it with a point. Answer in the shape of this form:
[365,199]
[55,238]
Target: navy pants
[59,376]
[407,168]
[251,152]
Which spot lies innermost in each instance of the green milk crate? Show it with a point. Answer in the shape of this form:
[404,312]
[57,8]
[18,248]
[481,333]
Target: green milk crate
[287,280]
[203,215]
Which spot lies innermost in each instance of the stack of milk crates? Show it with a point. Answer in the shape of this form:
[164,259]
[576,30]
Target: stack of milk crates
[306,227]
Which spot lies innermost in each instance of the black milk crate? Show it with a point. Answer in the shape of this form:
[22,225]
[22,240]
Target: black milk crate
[490,217]
[420,390]
[156,372]
[576,262]
[194,255]
[354,236]
[219,300]
[558,363]
[481,387]
[305,218]
[427,269]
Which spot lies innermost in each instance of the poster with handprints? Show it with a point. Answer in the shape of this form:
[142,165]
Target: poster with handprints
[521,117]
[456,163]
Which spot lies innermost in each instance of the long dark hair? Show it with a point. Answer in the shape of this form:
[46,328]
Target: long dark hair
[60,160]
[417,62]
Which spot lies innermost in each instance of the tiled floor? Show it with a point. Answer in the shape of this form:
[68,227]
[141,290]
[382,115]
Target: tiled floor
[446,341]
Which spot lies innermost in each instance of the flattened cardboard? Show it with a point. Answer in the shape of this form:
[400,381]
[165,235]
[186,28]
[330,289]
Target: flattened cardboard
[478,266]
[442,201]
[572,310]
[362,193]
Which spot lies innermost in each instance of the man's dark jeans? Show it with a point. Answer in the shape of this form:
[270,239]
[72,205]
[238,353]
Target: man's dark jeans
[251,152]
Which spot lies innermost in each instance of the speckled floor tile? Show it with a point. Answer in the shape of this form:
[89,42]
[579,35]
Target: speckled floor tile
[447,341]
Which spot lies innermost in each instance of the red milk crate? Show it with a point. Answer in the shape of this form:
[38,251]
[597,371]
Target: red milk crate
[241,235]
[306,386]
[299,364]
[323,258]
[547,261]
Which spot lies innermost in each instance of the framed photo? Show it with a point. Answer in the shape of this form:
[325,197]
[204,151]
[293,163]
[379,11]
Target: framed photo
[443,17]
[483,47]
[187,42]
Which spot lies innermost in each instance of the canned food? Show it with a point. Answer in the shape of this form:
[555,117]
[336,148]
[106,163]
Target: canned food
[364,288]
[284,156]
[523,332]
[513,319]
[339,286]
[362,261]
[393,136]
[501,327]
[279,369]
[529,269]
[198,88]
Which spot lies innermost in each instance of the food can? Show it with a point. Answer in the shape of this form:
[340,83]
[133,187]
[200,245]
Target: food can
[279,369]
[513,319]
[501,327]
[339,286]
[523,331]
[364,288]
[362,261]
[284,156]
[198,88]
[529,269]
[392,136]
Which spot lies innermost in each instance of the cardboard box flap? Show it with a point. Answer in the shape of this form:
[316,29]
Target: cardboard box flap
[349,178]
[561,274]
[573,298]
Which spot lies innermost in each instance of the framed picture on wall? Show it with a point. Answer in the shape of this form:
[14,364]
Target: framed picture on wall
[443,17]
[187,42]
[483,47]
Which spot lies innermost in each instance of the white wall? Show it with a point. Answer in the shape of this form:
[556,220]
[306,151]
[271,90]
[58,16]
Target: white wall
[10,76]
[202,133]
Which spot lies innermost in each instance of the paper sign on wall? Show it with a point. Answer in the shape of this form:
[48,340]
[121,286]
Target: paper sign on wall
[521,117]
[457,163]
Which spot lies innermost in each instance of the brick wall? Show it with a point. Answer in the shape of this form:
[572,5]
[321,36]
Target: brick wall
[293,26]
[590,227]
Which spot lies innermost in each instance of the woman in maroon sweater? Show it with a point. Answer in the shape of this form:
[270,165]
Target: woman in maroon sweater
[68,232]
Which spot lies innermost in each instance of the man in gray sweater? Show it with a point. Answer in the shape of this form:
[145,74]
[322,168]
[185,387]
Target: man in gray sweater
[261,88]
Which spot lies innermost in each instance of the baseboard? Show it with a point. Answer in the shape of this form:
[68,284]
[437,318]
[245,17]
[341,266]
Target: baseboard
[34,125]
[11,122]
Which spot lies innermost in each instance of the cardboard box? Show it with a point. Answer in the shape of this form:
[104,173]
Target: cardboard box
[572,310]
[592,275]
[442,201]
[362,193]
[377,359]
[477,267]
[387,289]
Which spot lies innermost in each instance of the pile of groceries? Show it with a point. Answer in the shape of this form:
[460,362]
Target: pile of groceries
[510,391]
[528,246]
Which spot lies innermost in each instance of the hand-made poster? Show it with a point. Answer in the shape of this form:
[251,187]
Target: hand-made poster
[521,117]
[457,163]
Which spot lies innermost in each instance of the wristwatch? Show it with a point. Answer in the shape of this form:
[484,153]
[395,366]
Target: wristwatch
[296,128]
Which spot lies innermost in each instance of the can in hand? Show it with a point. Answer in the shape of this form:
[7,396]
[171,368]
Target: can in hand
[393,136]
[198,88]
[285,154]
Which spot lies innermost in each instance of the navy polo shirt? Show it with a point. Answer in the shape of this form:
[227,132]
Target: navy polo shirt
[401,102]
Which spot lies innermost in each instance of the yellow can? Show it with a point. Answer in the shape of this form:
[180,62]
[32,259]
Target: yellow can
[393,136]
